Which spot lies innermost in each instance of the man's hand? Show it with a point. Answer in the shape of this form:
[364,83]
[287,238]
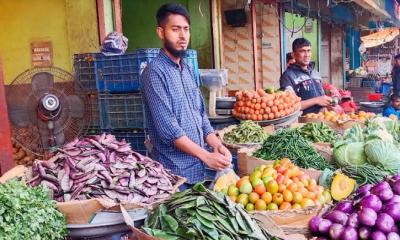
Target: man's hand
[216,161]
[224,151]
[323,101]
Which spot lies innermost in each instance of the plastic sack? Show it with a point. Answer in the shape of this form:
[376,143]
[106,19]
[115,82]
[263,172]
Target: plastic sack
[114,44]
[223,179]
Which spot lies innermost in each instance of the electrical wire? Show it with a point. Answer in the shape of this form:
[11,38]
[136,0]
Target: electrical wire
[293,31]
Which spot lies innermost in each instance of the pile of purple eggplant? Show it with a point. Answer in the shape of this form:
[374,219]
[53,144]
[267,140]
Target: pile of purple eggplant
[102,167]
[374,213]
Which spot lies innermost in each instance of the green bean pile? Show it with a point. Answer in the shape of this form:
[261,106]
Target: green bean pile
[318,132]
[246,132]
[291,144]
[366,173]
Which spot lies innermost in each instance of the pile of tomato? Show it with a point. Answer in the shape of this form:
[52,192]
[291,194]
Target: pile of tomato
[259,105]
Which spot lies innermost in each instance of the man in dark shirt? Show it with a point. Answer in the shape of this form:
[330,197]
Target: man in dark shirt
[396,75]
[175,112]
[302,79]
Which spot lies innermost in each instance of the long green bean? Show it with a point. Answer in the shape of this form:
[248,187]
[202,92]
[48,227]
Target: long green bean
[366,173]
[318,132]
[246,132]
[291,144]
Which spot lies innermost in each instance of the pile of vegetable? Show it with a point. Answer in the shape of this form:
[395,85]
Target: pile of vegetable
[281,185]
[373,214]
[369,154]
[289,143]
[318,132]
[259,105]
[20,155]
[28,213]
[247,132]
[332,116]
[199,213]
[102,167]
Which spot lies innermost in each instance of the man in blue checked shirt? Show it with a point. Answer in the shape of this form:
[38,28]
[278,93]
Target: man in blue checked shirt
[178,124]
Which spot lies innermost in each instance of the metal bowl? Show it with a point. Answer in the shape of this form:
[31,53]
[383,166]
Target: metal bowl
[225,102]
[106,224]
[372,104]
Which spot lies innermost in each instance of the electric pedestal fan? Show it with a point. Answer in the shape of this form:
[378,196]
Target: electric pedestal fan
[47,108]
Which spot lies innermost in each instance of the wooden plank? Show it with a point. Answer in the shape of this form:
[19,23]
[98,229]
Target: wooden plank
[101,20]
[6,161]
[255,55]
[336,67]
[117,16]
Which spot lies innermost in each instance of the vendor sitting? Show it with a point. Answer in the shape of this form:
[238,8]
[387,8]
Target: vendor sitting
[394,107]
[303,80]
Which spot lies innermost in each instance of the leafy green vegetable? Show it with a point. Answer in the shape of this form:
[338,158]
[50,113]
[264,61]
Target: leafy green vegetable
[28,213]
[349,154]
[247,132]
[388,124]
[354,134]
[185,219]
[382,153]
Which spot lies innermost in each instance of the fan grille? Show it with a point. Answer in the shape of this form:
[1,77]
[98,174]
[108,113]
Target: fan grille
[23,97]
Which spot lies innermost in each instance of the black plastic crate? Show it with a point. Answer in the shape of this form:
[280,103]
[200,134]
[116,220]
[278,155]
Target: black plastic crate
[121,111]
[135,138]
[84,70]
[117,74]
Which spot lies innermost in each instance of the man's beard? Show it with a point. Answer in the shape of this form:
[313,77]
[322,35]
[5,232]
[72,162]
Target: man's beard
[176,53]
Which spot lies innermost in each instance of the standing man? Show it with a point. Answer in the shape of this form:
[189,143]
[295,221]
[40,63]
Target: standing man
[396,75]
[178,124]
[302,79]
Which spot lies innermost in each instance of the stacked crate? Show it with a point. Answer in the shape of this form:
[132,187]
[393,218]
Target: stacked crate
[113,87]
[84,73]
[115,100]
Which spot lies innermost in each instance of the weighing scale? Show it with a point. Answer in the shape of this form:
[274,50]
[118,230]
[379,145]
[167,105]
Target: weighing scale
[219,107]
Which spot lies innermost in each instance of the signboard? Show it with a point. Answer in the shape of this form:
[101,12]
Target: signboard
[42,54]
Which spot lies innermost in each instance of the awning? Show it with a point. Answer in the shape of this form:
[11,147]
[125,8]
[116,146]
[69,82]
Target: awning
[380,37]
[374,8]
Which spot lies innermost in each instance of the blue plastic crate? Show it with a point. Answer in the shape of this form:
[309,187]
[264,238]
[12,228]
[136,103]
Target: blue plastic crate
[84,70]
[89,131]
[366,83]
[386,88]
[117,74]
[121,111]
[92,113]
[136,139]
[146,55]
[94,110]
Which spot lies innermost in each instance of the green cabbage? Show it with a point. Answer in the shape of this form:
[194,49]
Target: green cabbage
[354,134]
[385,154]
[383,122]
[349,154]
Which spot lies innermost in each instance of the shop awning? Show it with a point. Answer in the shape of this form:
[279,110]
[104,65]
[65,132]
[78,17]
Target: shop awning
[380,37]
[374,8]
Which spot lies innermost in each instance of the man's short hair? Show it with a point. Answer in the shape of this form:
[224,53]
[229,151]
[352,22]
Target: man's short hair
[289,57]
[395,97]
[397,57]
[299,43]
[168,9]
